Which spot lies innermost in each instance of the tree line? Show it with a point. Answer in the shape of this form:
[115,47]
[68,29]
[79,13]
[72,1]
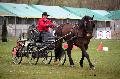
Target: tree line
[92,4]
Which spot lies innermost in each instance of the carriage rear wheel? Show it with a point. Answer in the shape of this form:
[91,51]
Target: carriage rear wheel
[47,57]
[32,54]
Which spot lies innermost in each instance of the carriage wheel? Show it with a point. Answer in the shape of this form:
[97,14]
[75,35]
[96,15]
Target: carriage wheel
[62,58]
[32,60]
[48,57]
[32,54]
[18,58]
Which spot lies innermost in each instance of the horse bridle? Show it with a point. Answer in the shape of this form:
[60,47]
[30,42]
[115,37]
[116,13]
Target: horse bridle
[85,24]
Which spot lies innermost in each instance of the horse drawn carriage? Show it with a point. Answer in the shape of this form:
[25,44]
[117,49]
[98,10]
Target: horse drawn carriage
[34,48]
[74,34]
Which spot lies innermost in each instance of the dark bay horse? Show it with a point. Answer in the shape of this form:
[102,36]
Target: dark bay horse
[78,35]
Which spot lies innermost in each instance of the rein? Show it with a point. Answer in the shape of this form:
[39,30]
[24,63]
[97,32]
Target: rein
[55,41]
[70,33]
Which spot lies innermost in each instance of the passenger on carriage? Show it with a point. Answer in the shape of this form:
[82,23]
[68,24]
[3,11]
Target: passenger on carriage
[43,27]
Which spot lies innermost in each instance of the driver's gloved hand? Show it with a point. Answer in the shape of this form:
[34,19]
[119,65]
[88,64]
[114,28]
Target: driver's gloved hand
[48,25]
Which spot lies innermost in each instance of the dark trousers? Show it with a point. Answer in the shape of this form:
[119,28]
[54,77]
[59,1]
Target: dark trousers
[45,35]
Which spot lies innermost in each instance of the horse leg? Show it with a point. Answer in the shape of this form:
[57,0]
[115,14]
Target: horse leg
[81,61]
[58,48]
[87,56]
[69,54]
[86,46]
[58,53]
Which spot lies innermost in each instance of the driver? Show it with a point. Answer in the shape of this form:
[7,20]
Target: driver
[43,27]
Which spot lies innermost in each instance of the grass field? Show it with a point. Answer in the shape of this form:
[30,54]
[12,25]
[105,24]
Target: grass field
[107,64]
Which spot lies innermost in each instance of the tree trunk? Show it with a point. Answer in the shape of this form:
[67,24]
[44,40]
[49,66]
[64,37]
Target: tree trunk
[4,31]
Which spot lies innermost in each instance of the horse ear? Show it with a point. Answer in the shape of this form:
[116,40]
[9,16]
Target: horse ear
[93,17]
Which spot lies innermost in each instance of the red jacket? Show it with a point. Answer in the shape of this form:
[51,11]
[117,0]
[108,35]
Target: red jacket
[43,23]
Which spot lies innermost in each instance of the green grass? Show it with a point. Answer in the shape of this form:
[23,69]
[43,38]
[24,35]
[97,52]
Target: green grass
[107,64]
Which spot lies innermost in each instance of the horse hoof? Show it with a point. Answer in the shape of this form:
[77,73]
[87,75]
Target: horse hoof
[71,65]
[56,62]
[92,68]
[81,65]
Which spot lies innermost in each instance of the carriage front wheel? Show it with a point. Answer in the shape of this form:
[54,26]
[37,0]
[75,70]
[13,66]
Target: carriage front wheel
[32,54]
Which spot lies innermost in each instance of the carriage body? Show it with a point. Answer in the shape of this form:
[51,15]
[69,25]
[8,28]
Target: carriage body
[34,48]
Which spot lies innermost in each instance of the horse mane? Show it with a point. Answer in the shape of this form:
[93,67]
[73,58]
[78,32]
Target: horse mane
[86,18]
[81,21]
[58,29]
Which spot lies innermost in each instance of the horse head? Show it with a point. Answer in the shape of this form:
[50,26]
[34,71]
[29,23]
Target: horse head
[89,25]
